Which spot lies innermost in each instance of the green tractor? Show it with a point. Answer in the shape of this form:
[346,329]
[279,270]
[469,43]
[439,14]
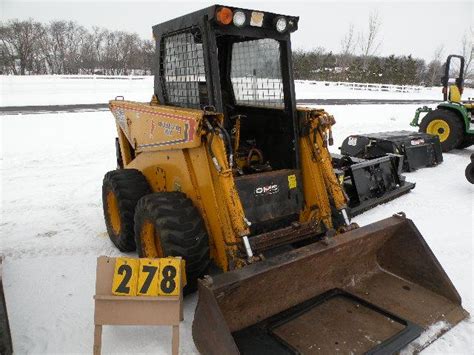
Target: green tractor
[452,120]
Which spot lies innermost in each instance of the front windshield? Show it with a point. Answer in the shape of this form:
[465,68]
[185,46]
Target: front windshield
[256,73]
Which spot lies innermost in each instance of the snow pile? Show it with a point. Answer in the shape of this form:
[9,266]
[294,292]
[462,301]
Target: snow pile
[52,228]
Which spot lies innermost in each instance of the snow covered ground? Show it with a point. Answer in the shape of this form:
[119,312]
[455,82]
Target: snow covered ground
[52,228]
[61,90]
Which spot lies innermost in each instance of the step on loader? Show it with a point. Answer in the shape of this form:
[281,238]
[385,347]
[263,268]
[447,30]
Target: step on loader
[221,167]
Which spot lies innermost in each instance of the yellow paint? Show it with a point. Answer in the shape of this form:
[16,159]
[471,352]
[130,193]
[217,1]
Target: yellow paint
[148,277]
[169,281]
[125,278]
[113,212]
[146,134]
[454,93]
[150,241]
[184,280]
[440,128]
[292,181]
[157,127]
[319,180]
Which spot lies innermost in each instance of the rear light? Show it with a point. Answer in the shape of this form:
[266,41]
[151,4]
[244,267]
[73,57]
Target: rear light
[281,24]
[224,15]
[239,18]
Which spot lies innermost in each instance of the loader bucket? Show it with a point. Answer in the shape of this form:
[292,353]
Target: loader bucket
[372,290]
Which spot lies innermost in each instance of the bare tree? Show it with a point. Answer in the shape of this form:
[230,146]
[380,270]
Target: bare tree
[467,51]
[20,40]
[348,43]
[147,54]
[348,46]
[369,42]
[433,73]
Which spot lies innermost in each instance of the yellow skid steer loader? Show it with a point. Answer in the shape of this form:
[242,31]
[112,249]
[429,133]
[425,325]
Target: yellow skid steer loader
[222,168]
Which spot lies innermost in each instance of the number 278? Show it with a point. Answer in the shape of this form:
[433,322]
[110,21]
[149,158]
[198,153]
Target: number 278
[147,277]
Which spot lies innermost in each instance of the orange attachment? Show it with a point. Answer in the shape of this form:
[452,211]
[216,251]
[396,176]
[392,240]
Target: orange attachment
[224,15]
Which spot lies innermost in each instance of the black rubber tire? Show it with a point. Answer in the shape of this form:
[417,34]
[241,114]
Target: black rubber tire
[128,186]
[470,172]
[455,123]
[181,230]
[467,141]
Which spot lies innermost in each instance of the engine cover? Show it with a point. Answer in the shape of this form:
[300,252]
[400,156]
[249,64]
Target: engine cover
[270,195]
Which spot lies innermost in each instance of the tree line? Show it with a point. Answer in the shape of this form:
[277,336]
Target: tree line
[398,70]
[65,47]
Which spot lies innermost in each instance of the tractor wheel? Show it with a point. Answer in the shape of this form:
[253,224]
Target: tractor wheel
[168,224]
[121,190]
[446,125]
[467,141]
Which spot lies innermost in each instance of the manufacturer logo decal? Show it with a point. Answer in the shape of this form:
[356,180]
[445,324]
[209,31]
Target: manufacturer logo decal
[266,190]
[352,141]
[417,141]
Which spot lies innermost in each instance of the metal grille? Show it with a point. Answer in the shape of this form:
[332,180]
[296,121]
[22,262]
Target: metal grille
[256,73]
[182,69]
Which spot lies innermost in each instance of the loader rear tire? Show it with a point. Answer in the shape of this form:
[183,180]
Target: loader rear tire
[168,224]
[121,190]
[446,125]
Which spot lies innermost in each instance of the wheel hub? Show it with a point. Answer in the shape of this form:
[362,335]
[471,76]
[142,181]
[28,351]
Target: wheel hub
[113,212]
[150,241]
[440,128]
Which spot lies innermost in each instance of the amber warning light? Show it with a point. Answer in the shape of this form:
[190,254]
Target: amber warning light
[224,15]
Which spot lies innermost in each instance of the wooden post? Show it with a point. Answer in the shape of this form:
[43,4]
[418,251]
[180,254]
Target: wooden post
[97,339]
[175,340]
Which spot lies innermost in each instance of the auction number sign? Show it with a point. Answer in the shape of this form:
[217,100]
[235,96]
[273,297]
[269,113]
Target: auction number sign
[148,277]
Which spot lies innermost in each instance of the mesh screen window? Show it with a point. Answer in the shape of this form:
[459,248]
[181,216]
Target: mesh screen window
[256,73]
[183,69]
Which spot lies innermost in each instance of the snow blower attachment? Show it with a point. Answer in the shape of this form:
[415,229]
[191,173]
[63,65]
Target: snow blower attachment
[372,290]
[417,149]
[369,183]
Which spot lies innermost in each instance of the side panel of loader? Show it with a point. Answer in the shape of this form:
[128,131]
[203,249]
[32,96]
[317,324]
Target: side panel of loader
[170,152]
[380,282]
[154,128]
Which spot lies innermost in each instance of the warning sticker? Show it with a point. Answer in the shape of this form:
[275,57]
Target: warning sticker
[292,181]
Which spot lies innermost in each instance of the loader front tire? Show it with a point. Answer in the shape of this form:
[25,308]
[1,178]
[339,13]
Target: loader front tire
[168,224]
[446,125]
[121,190]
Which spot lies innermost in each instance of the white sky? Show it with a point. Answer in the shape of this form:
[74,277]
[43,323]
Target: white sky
[408,27]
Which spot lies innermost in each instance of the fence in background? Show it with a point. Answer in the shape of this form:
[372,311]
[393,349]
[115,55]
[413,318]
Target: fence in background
[366,86]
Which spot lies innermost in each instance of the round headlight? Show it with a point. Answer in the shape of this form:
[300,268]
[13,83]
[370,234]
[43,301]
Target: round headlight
[239,18]
[281,25]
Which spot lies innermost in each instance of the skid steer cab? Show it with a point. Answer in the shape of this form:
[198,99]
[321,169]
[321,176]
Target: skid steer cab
[452,120]
[222,168]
